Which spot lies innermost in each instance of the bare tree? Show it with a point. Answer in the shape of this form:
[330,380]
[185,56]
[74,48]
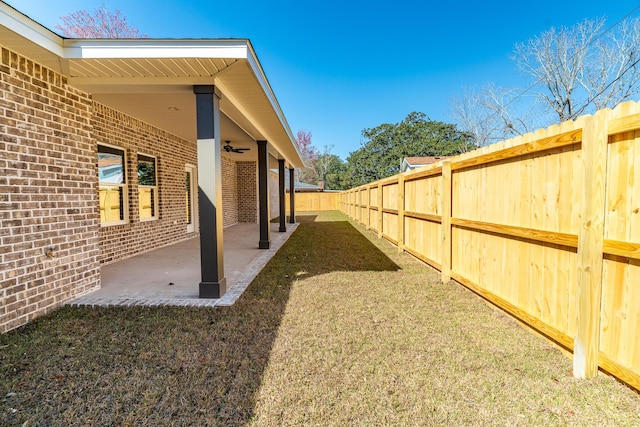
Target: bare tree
[575,71]
[611,74]
[99,23]
[309,154]
[489,114]
[473,118]
[583,68]
[556,60]
[324,163]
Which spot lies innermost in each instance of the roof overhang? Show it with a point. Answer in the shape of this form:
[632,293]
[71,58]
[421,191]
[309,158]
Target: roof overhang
[153,79]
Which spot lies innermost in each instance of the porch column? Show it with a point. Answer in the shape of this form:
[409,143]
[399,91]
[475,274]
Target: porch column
[292,199]
[263,194]
[283,209]
[213,284]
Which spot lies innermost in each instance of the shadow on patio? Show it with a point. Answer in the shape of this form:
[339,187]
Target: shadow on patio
[169,365]
[170,275]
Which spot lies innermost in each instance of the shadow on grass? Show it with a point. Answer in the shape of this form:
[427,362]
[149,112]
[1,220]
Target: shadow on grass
[169,365]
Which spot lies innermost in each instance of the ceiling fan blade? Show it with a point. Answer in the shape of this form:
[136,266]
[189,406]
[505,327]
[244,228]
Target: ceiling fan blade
[229,148]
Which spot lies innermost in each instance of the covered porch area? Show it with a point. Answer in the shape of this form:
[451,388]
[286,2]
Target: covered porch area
[170,275]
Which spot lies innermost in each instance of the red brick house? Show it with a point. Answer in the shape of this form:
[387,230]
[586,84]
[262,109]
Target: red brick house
[109,148]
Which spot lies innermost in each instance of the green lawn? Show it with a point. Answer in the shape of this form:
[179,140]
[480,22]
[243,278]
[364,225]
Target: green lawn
[338,329]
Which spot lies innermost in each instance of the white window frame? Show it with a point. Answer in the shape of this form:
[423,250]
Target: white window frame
[123,188]
[193,225]
[154,189]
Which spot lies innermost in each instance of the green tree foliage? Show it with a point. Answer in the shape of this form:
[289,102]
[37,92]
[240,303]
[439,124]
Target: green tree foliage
[331,169]
[146,173]
[380,156]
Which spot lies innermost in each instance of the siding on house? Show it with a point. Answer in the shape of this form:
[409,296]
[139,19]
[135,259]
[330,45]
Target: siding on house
[49,216]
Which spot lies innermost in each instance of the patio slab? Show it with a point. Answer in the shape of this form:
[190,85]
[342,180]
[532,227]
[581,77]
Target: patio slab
[170,275]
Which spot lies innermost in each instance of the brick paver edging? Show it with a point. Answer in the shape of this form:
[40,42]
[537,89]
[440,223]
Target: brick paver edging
[228,299]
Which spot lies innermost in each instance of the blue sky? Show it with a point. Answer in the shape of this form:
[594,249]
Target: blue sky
[338,67]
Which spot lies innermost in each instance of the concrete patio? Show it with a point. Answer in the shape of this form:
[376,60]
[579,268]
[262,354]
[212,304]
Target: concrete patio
[170,275]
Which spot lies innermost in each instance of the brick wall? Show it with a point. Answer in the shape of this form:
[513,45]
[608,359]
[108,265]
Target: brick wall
[49,197]
[48,192]
[229,192]
[172,153]
[274,199]
[247,187]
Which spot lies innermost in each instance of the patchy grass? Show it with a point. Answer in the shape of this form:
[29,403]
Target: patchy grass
[338,329]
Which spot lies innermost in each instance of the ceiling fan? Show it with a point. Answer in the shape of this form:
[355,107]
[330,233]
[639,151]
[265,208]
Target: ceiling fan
[229,149]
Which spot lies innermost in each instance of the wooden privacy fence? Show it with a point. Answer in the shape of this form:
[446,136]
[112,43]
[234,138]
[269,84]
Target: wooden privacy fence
[546,226]
[316,201]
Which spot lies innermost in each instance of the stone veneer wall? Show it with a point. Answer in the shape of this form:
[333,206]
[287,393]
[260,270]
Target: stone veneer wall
[49,215]
[172,154]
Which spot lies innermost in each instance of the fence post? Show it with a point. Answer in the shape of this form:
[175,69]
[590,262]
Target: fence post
[400,213]
[368,206]
[359,204]
[446,221]
[351,211]
[380,205]
[590,245]
[361,198]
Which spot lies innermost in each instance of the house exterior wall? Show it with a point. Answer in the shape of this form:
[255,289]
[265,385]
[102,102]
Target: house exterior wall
[247,173]
[118,242]
[49,217]
[229,192]
[51,241]
[274,199]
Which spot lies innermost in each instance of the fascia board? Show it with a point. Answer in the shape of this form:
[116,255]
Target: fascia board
[154,48]
[266,87]
[30,30]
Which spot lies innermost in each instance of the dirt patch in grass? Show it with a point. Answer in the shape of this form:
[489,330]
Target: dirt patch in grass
[338,329]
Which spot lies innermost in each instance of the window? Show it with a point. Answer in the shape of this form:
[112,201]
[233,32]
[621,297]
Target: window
[112,183]
[187,189]
[191,191]
[147,188]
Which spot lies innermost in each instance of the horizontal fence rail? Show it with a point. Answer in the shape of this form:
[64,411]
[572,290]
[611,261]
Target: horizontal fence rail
[545,226]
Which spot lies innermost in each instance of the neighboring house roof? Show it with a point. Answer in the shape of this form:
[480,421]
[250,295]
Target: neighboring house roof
[409,163]
[303,187]
[153,79]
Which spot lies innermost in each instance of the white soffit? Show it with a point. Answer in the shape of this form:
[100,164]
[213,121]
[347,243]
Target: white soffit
[163,66]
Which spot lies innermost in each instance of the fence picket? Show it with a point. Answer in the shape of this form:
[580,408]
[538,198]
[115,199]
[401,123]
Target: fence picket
[546,226]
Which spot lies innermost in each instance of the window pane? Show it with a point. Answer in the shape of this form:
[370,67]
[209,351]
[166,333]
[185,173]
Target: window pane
[111,165]
[187,188]
[146,170]
[111,208]
[146,200]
